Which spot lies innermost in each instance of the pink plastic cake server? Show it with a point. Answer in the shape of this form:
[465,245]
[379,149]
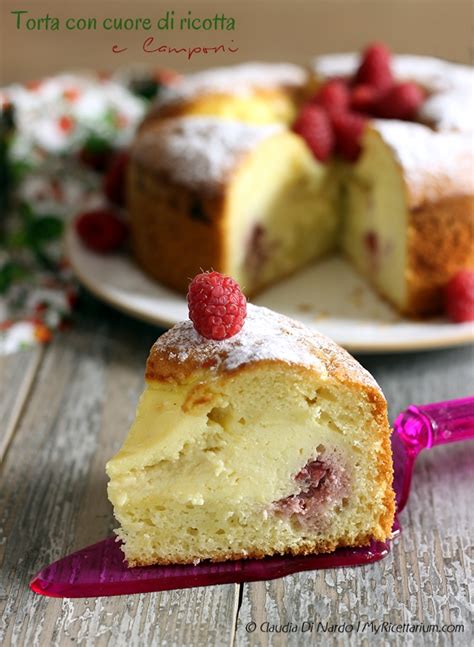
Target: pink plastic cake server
[100,569]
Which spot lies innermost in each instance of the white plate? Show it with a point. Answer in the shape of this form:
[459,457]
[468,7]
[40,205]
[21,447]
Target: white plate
[328,297]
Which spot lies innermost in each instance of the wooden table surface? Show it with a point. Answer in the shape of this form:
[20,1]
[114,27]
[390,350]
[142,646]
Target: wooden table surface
[65,409]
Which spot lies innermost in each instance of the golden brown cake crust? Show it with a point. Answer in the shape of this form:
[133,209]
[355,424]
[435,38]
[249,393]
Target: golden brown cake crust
[440,243]
[165,245]
[177,193]
[307,548]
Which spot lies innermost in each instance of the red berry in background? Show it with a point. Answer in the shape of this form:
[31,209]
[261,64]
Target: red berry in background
[363,98]
[115,178]
[401,101]
[101,230]
[66,123]
[349,129]
[217,306]
[71,94]
[375,68]
[459,297]
[333,95]
[314,126]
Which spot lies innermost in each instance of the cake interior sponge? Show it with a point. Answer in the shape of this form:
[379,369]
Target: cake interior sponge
[274,441]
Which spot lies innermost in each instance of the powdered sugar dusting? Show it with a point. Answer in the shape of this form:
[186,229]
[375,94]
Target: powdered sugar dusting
[451,103]
[199,151]
[434,73]
[450,110]
[437,160]
[435,164]
[330,65]
[266,335]
[236,80]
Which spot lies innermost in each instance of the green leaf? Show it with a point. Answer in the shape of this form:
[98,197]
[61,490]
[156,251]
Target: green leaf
[18,170]
[9,273]
[26,212]
[43,259]
[147,88]
[16,239]
[44,229]
[96,144]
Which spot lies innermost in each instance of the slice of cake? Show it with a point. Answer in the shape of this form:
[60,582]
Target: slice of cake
[274,440]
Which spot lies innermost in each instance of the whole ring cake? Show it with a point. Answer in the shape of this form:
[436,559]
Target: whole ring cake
[378,164]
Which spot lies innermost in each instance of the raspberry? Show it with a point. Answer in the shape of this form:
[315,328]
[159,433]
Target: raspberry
[348,128]
[459,297]
[101,230]
[333,95]
[375,68]
[400,102]
[363,98]
[314,126]
[217,306]
[114,179]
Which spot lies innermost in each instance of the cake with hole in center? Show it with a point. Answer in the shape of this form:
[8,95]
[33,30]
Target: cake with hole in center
[376,164]
[272,441]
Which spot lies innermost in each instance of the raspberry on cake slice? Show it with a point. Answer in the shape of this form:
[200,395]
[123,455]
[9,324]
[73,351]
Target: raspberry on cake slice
[217,306]
[271,440]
